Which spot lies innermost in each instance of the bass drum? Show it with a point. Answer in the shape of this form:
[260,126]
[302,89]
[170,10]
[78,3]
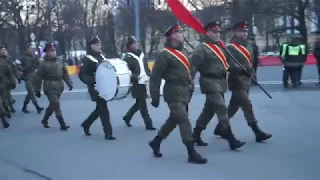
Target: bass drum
[113,79]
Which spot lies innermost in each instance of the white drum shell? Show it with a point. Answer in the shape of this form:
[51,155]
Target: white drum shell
[113,79]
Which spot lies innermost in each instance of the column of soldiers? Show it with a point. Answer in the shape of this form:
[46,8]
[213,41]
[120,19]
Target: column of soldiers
[27,68]
[7,83]
[211,59]
[213,62]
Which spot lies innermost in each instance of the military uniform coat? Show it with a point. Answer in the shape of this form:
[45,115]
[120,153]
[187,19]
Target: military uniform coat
[177,77]
[52,73]
[238,79]
[6,74]
[27,64]
[87,73]
[212,69]
[137,90]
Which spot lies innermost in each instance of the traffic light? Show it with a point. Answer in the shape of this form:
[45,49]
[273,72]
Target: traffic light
[106,1]
[128,2]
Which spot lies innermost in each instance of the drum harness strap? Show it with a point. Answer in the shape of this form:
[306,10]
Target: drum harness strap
[95,60]
[141,64]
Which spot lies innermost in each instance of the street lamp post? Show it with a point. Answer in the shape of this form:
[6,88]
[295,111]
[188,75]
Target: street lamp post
[49,5]
[137,18]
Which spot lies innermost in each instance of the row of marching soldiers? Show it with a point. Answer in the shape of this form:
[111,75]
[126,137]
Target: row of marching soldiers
[213,60]
[21,69]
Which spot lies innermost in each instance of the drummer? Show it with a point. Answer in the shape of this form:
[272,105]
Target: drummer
[87,76]
[135,60]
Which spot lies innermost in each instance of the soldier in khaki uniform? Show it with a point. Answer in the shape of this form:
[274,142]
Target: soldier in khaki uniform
[210,60]
[27,65]
[6,77]
[9,100]
[172,65]
[52,73]
[239,84]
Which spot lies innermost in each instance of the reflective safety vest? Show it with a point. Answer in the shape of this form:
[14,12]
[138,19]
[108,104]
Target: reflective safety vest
[293,50]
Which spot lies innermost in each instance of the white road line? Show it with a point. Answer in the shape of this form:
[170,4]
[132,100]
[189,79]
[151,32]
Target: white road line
[307,81]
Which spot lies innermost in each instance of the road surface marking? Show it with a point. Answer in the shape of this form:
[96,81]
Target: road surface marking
[306,81]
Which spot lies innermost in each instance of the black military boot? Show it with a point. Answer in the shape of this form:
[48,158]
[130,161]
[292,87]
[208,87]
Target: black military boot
[127,121]
[46,118]
[149,126]
[39,109]
[24,107]
[260,135]
[197,136]
[63,126]
[86,129]
[108,134]
[4,122]
[25,110]
[155,146]
[233,142]
[193,155]
[218,130]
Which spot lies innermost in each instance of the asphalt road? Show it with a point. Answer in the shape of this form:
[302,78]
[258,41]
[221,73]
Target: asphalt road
[291,116]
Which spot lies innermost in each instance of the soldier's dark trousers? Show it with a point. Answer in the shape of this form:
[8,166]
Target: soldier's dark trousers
[214,104]
[318,67]
[240,99]
[3,112]
[139,105]
[292,73]
[54,106]
[101,111]
[9,99]
[30,96]
[178,117]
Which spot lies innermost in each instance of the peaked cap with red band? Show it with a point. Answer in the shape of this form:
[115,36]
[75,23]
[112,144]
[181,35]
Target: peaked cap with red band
[243,25]
[212,26]
[172,29]
[49,47]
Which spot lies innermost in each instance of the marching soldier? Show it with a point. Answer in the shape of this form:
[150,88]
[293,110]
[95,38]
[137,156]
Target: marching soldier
[87,75]
[172,65]
[239,84]
[210,60]
[6,77]
[140,71]
[9,99]
[52,72]
[27,65]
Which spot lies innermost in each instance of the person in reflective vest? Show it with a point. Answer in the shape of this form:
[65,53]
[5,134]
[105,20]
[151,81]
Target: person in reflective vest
[293,57]
[316,52]
[138,66]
